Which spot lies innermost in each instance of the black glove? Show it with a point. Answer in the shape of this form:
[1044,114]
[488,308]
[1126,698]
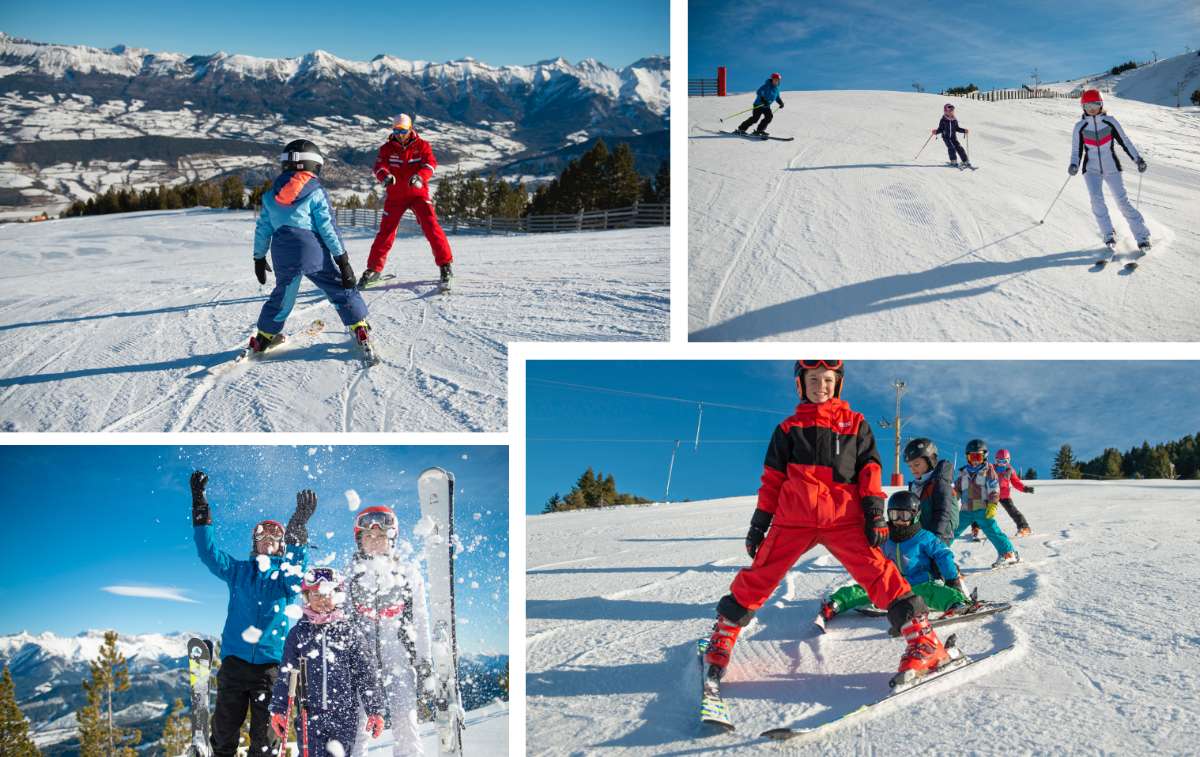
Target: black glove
[343,264]
[389,180]
[1072,169]
[200,514]
[1141,164]
[261,266]
[781,104]
[759,523]
[297,529]
[876,525]
[1029,490]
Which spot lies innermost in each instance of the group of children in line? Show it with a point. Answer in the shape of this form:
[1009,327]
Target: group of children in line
[821,484]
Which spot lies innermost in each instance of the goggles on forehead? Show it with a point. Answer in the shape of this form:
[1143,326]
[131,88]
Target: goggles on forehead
[803,365]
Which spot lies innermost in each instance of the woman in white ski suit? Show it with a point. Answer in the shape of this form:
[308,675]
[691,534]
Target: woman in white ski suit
[1093,142]
[388,604]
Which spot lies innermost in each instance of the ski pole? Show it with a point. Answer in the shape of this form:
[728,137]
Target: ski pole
[288,720]
[303,708]
[1060,191]
[923,147]
[1138,203]
[740,112]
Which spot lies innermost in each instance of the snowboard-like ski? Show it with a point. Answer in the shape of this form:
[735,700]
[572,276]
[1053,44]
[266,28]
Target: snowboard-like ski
[200,657]
[435,487]
[763,137]
[377,282]
[713,710]
[959,662]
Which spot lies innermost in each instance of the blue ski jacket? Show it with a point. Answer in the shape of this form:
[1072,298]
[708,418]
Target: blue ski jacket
[922,558]
[768,93]
[338,672]
[297,225]
[257,598]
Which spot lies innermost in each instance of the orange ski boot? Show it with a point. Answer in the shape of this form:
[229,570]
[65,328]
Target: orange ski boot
[924,653]
[720,644]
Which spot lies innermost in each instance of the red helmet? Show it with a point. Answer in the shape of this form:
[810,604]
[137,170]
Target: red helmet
[380,517]
[1003,457]
[776,76]
[1091,96]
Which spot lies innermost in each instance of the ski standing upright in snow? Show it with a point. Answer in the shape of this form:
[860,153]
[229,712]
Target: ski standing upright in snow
[435,488]
[200,657]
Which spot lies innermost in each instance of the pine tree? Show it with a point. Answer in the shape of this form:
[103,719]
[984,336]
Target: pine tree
[1065,465]
[14,729]
[1030,474]
[622,182]
[98,734]
[233,192]
[1158,464]
[177,733]
[554,504]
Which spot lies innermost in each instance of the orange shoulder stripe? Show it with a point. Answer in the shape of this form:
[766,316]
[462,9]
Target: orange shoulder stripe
[291,190]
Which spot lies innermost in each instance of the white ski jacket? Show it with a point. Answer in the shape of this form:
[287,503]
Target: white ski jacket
[1094,141]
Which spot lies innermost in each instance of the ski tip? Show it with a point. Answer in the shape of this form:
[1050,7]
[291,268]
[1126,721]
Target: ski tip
[780,734]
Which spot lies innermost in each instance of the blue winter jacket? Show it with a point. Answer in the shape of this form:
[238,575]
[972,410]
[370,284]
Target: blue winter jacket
[297,225]
[257,598]
[768,93]
[918,556]
[338,672]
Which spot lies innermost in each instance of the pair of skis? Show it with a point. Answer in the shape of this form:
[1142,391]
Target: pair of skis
[1111,246]
[281,342]
[443,287]
[753,135]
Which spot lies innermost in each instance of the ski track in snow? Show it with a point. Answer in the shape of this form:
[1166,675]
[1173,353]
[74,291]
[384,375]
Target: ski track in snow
[1105,655]
[131,322]
[843,236]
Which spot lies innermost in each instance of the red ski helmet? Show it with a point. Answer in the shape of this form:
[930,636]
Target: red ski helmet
[380,517]
[1092,99]
[775,76]
[837,366]
[267,529]
[1003,457]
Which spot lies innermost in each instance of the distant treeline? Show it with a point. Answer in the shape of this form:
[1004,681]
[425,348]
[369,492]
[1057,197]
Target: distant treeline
[593,489]
[230,193]
[1178,459]
[1126,66]
[962,90]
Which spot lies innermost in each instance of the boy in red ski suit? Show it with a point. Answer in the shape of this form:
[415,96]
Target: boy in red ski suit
[821,485]
[404,166]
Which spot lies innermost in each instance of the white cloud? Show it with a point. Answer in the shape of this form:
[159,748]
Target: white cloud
[149,592]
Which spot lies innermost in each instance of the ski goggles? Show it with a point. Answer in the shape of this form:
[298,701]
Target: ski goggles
[900,516]
[268,531]
[803,365]
[999,466]
[377,519]
[948,108]
[975,458]
[1093,108]
[316,576]
[399,131]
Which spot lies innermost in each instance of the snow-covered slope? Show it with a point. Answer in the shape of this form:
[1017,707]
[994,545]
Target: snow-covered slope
[124,322]
[841,235]
[1151,83]
[1107,655]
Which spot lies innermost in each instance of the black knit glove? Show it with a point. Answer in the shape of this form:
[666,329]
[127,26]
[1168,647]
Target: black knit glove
[759,523]
[343,264]
[297,528]
[876,525]
[200,514]
[261,266]
[1029,490]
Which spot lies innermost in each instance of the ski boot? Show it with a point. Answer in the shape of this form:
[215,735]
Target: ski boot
[954,164]
[720,645]
[740,130]
[924,653]
[966,164]
[369,277]
[829,608]
[1008,558]
[362,336]
[761,134]
[1144,246]
[262,341]
[445,277]
[1025,531]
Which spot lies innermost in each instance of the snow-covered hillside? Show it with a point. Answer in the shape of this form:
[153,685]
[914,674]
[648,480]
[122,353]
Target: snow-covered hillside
[127,323]
[1106,657]
[1151,83]
[841,235]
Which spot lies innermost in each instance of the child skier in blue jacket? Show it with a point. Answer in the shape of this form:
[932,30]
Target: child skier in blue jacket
[921,557]
[949,129]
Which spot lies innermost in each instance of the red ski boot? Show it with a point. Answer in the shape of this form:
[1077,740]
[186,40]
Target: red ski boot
[720,644]
[924,654]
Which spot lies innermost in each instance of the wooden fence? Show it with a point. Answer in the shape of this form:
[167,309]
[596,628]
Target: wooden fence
[640,215]
[708,87]
[1023,93]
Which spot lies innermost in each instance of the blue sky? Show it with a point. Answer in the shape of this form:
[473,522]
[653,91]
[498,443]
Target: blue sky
[883,44]
[1032,408]
[78,519]
[616,32]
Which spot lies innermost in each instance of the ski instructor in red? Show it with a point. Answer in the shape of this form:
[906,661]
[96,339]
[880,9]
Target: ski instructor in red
[821,484]
[404,167]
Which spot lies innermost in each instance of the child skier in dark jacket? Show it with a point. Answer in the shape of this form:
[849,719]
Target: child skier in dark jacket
[338,675]
[933,483]
[821,485]
[949,129]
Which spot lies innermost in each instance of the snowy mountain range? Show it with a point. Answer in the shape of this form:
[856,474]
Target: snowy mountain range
[48,672]
[76,119]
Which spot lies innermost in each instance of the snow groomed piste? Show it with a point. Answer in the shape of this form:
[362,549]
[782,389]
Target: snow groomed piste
[842,235]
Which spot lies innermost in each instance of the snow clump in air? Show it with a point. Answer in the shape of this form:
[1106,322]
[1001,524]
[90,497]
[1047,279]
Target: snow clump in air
[352,500]
[251,635]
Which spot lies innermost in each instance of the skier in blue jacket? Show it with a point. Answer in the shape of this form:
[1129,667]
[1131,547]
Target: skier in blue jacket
[260,590]
[297,226]
[766,95]
[926,562]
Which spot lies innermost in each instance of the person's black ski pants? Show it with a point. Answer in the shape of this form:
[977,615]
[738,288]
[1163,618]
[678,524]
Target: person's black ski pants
[242,685]
[761,111]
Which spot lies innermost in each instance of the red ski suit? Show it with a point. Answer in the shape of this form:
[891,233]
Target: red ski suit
[404,161]
[820,467]
[1007,478]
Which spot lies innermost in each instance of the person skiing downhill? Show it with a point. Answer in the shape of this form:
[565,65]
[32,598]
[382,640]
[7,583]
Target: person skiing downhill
[387,602]
[949,129]
[767,94]
[404,166]
[297,225]
[1093,148]
[978,487]
[927,564]
[1009,480]
[260,590]
[933,485]
[821,485]
[338,676]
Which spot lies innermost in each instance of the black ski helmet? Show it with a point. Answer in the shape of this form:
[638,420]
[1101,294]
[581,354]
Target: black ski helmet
[302,155]
[921,447]
[977,445]
[904,501]
[837,366]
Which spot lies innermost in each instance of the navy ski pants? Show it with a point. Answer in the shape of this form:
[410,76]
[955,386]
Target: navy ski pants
[952,145]
[350,305]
